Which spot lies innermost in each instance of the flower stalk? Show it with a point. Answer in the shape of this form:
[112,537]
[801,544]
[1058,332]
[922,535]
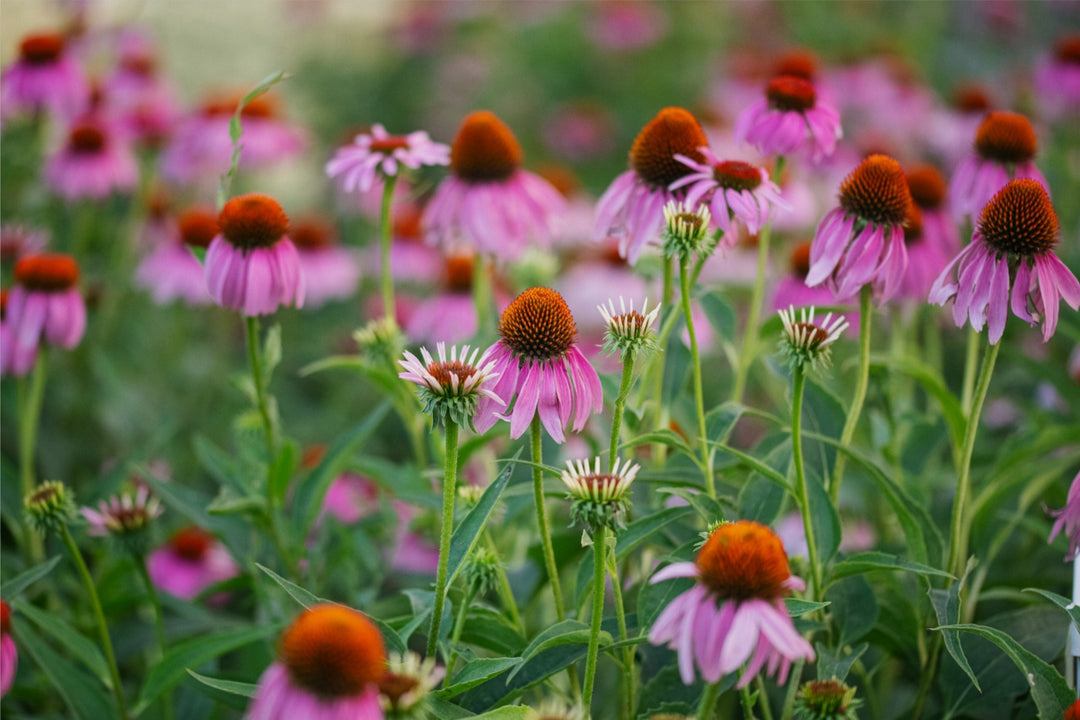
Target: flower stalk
[699,393]
[861,382]
[31,392]
[800,479]
[599,552]
[386,236]
[449,493]
[542,519]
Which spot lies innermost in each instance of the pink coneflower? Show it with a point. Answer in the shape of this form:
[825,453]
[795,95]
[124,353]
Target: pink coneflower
[449,316]
[1005,144]
[925,259]
[44,78]
[1068,518]
[792,291]
[538,362]
[580,131]
[488,202]
[789,117]
[1057,78]
[142,100]
[44,304]
[1013,242]
[171,271]
[94,163]
[9,654]
[330,661]
[862,241]
[372,156]
[350,498]
[121,515]
[632,208]
[948,130]
[454,386]
[928,191]
[252,267]
[190,562]
[17,241]
[330,271]
[736,191]
[735,611]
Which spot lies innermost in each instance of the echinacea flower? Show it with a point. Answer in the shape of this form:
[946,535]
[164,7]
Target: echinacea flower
[737,192]
[122,515]
[631,209]
[599,499]
[926,259]
[93,164]
[1010,262]
[488,202]
[377,154]
[329,664]
[9,654]
[792,291]
[252,267]
[143,101]
[1005,145]
[454,386]
[44,78]
[928,191]
[44,305]
[331,271]
[17,241]
[790,116]
[540,365]
[862,241]
[49,507]
[1057,78]
[735,610]
[406,684]
[629,331]
[449,316]
[171,271]
[806,343]
[687,232]
[826,700]
[1068,518]
[191,561]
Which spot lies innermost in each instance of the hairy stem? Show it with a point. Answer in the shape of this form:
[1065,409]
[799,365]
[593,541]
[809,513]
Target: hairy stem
[449,493]
[31,392]
[800,479]
[861,382]
[620,406]
[599,552]
[699,394]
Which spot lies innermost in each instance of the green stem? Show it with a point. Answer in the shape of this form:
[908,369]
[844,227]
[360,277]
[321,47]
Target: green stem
[971,361]
[763,699]
[482,295]
[599,552]
[29,404]
[660,419]
[159,624]
[506,593]
[99,617]
[255,361]
[386,235]
[620,406]
[699,394]
[861,382]
[800,479]
[449,493]
[708,701]
[793,690]
[958,535]
[629,674]
[542,520]
[747,702]
[459,626]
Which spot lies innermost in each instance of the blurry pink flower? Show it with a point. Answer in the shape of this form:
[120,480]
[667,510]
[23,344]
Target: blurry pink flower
[413,552]
[143,102]
[44,304]
[632,208]
[350,498]
[43,79]
[449,316]
[789,117]
[331,272]
[735,611]
[580,131]
[1068,519]
[925,260]
[375,155]
[735,191]
[948,130]
[927,187]
[792,290]
[488,203]
[171,271]
[1016,233]
[625,25]
[252,267]
[94,163]
[190,562]
[9,654]
[17,241]
[589,283]
[1057,79]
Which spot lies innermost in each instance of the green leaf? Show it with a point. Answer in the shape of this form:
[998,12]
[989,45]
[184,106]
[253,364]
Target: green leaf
[192,653]
[439,709]
[271,352]
[189,503]
[468,532]
[25,579]
[798,608]
[514,712]
[86,697]
[1062,602]
[305,598]
[720,313]
[476,672]
[229,686]
[228,503]
[283,469]
[834,666]
[74,644]
[333,362]
[869,561]
[946,605]
[1049,690]
[312,491]
[662,437]
[825,518]
[757,465]
[222,466]
[236,132]
[934,386]
[721,419]
[855,609]
[566,632]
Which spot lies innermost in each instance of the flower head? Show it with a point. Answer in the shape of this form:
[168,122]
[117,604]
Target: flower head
[44,78]
[124,516]
[190,562]
[330,661]
[45,304]
[331,272]
[929,193]
[407,683]
[49,506]
[599,498]
[451,387]
[734,613]
[805,343]
[862,240]
[171,271]
[1013,243]
[9,654]
[737,192]
[1057,78]
[686,232]
[629,331]
[381,338]
[788,117]
[539,363]
[376,154]
[1068,519]
[826,700]
[93,164]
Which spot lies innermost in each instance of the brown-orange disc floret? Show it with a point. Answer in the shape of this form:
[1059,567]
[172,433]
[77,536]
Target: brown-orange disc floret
[333,651]
[538,325]
[743,560]
[393,686]
[927,186]
[797,63]
[1006,137]
[1020,220]
[48,272]
[198,226]
[86,139]
[253,221]
[388,145]
[561,178]
[673,131]
[1067,49]
[913,225]
[313,233]
[42,48]
[191,544]
[790,94]
[459,272]
[876,191]
[800,260]
[736,175]
[484,149]
[442,372]
[262,106]
[971,98]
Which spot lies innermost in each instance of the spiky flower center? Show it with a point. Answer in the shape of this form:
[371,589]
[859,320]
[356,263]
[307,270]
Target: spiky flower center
[913,225]
[333,651]
[927,186]
[736,175]
[672,132]
[826,697]
[388,145]
[876,191]
[191,543]
[313,233]
[797,63]
[800,260]
[459,273]
[140,63]
[86,139]
[744,560]
[485,149]
[253,221]
[1006,137]
[538,325]
[1067,50]
[45,493]
[789,93]
[198,226]
[445,371]
[260,107]
[1020,220]
[814,334]
[41,49]
[48,272]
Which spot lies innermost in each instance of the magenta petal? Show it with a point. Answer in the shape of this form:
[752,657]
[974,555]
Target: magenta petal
[527,398]
[998,309]
[1021,287]
[546,406]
